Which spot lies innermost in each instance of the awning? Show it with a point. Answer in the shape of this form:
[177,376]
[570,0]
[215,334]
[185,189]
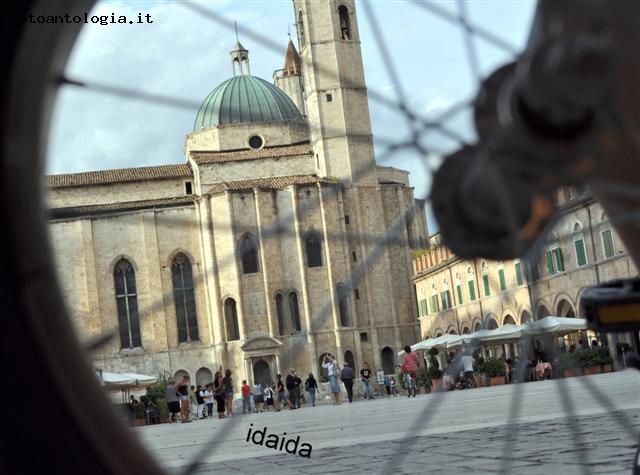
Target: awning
[125,381]
[505,333]
[557,325]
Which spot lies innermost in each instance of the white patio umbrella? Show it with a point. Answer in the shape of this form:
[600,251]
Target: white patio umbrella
[126,381]
[557,325]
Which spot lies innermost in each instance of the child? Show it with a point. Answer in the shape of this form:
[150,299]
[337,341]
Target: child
[268,398]
[392,385]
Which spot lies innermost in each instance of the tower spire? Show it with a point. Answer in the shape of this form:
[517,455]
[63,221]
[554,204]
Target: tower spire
[240,55]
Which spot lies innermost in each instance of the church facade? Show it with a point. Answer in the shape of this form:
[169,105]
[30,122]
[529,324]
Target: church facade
[277,241]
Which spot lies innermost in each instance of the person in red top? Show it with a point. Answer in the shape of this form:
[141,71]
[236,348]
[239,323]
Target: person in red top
[246,397]
[409,362]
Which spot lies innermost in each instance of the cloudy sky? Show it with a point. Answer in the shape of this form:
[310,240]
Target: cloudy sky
[183,55]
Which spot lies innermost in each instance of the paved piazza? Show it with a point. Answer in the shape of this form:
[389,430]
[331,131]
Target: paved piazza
[454,432]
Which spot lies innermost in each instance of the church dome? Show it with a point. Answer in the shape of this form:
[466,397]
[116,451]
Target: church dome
[243,99]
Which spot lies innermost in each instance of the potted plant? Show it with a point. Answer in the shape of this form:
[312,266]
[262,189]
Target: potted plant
[604,359]
[435,373]
[590,361]
[423,380]
[496,371]
[570,364]
[158,392]
[139,417]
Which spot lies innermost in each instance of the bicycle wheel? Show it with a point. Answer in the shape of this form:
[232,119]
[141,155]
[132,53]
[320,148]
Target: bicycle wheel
[100,443]
[75,423]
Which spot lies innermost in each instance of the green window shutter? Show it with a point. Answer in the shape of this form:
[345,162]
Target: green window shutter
[581,255]
[485,283]
[550,267]
[503,283]
[472,290]
[607,239]
[559,260]
[518,267]
[421,307]
[459,292]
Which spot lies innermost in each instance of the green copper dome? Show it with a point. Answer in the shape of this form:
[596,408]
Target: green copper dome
[243,99]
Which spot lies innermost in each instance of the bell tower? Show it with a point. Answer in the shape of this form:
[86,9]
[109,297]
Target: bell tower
[336,94]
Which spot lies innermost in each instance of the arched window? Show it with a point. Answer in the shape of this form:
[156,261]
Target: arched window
[348,358]
[388,360]
[578,245]
[184,299]
[231,320]
[345,23]
[280,313]
[343,305]
[249,255]
[124,277]
[295,311]
[313,249]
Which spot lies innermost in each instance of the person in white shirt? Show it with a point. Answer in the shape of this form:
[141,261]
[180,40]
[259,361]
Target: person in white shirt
[333,372]
[467,361]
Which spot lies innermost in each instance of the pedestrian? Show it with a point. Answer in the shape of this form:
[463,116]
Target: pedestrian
[182,389]
[200,401]
[387,384]
[293,383]
[219,393]
[245,389]
[281,397]
[365,374]
[209,399]
[346,376]
[173,403]
[193,403]
[333,373]
[393,388]
[268,397]
[228,385]
[311,386]
[258,397]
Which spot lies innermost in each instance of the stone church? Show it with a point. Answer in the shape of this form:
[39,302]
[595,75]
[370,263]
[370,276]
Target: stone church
[277,241]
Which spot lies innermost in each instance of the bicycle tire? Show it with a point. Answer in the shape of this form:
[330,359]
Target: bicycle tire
[72,426]
[35,317]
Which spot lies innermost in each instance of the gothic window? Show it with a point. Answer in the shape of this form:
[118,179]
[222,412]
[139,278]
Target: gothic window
[124,278]
[313,249]
[184,298]
[295,311]
[231,320]
[249,255]
[280,313]
[343,305]
[345,23]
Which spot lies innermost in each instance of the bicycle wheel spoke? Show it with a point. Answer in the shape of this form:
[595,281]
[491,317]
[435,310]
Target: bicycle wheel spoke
[131,94]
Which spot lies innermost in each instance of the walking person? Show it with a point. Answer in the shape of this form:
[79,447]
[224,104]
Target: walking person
[219,394]
[258,397]
[268,397]
[293,386]
[228,385]
[173,403]
[365,374]
[346,376]
[193,403]
[281,397]
[311,386]
[333,372]
[209,399]
[246,397]
[183,394]
[202,407]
